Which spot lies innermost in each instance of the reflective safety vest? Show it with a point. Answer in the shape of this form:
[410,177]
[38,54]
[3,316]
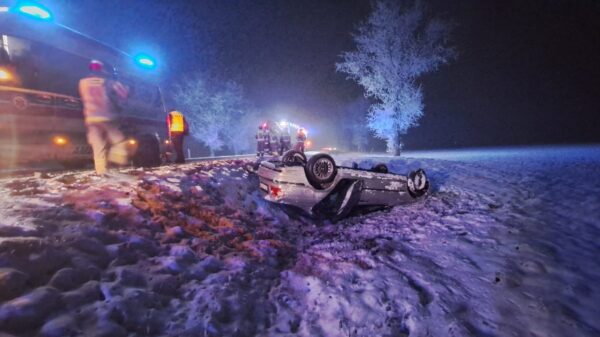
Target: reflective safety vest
[97,106]
[176,122]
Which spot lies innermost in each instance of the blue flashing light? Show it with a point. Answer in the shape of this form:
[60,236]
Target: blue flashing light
[145,61]
[35,11]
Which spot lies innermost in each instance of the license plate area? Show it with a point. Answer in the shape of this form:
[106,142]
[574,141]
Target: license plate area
[264,187]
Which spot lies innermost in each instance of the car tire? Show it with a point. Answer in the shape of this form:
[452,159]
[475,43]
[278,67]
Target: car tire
[249,167]
[380,168]
[148,152]
[293,158]
[417,183]
[320,170]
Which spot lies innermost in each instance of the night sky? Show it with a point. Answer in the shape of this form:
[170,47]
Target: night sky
[527,72]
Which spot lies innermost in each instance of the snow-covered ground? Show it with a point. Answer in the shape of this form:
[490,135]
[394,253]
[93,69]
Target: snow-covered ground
[507,244]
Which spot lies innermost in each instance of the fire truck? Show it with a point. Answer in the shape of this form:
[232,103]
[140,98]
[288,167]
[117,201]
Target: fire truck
[41,118]
[277,139]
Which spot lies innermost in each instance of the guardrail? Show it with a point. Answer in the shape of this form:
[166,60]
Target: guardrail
[24,171]
[221,157]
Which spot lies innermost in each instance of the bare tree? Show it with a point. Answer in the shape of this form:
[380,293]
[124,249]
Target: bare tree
[397,44]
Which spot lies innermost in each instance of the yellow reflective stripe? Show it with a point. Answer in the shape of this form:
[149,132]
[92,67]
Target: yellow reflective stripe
[96,119]
[177,122]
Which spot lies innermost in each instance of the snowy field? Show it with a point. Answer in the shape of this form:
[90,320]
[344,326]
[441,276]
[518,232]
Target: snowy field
[507,244]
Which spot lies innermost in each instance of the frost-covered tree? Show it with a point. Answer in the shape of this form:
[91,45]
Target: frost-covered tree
[196,100]
[218,114]
[243,118]
[205,110]
[398,43]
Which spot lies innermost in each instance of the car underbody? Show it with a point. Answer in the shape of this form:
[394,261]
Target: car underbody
[341,189]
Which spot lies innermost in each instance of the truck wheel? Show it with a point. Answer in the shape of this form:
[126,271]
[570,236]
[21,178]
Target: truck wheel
[417,183]
[380,168]
[293,158]
[148,152]
[320,170]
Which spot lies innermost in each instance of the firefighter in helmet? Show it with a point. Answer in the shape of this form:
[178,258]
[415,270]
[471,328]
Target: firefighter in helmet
[103,99]
[178,128]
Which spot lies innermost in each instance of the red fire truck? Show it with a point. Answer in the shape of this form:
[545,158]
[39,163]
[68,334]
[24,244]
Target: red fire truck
[41,119]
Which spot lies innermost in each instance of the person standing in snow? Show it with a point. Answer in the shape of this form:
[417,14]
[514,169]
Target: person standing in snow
[300,139]
[178,129]
[263,140]
[102,100]
[284,142]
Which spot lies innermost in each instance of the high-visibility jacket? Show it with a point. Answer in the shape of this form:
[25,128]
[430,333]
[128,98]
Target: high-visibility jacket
[177,123]
[101,98]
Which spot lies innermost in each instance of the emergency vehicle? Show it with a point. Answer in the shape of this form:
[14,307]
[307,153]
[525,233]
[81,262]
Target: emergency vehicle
[41,119]
[276,137]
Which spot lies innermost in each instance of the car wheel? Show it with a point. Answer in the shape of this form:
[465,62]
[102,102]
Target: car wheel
[380,168]
[148,152]
[417,183]
[293,158]
[320,170]
[249,167]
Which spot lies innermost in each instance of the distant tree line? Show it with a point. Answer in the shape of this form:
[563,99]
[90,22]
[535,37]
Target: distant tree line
[218,113]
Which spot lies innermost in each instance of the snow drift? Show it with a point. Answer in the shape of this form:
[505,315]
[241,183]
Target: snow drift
[505,245]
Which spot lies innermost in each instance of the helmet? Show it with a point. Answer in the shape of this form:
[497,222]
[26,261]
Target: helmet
[96,66]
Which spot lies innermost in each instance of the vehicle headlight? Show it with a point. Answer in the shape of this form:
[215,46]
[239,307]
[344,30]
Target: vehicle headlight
[60,140]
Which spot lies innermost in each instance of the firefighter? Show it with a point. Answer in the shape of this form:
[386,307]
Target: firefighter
[267,140]
[260,141]
[284,142]
[300,139]
[103,100]
[274,144]
[178,128]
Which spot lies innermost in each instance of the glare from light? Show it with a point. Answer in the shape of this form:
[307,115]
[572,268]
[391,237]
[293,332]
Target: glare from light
[35,11]
[58,140]
[3,9]
[132,142]
[167,141]
[5,75]
[145,61]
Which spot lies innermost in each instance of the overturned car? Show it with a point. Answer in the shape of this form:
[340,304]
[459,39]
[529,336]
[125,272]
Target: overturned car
[323,189]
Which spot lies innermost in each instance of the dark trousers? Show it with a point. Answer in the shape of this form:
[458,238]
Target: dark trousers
[177,141]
